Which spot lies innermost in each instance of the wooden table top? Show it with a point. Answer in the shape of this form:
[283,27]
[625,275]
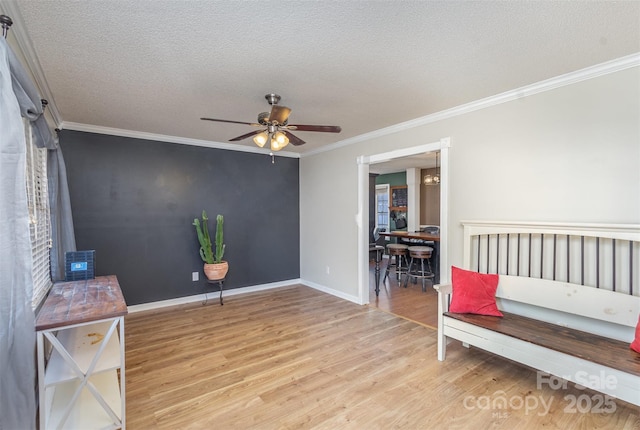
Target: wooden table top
[77,302]
[411,235]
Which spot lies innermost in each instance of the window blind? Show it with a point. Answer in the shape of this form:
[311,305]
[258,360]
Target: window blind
[39,217]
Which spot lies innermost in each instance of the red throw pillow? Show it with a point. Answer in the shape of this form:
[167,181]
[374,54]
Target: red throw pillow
[473,293]
[635,345]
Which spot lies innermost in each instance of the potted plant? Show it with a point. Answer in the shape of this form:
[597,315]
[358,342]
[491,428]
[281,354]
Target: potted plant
[215,268]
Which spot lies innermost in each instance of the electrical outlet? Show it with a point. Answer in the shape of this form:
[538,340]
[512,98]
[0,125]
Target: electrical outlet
[328,271]
[195,276]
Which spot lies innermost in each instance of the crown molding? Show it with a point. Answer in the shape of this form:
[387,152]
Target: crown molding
[88,128]
[591,72]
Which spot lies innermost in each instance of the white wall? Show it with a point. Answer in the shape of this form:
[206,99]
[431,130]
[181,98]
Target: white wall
[328,205]
[568,154]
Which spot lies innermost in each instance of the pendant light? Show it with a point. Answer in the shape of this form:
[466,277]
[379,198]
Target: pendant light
[433,179]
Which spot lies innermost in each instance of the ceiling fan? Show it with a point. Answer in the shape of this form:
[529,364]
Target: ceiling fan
[275,127]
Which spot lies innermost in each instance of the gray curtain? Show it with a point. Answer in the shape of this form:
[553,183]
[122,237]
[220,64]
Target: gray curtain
[20,98]
[62,234]
[17,321]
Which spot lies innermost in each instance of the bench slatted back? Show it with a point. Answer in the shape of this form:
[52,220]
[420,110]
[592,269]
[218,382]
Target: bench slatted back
[581,276]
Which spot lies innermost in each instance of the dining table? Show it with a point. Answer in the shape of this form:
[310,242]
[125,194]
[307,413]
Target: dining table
[421,235]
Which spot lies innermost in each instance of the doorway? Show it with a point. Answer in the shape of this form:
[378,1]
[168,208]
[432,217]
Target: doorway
[362,218]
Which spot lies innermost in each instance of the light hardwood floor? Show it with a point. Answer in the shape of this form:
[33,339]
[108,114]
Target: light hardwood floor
[295,358]
[411,302]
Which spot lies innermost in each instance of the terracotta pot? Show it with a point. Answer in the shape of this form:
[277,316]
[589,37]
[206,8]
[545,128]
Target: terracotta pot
[216,271]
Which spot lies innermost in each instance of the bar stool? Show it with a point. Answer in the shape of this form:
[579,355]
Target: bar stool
[422,253]
[400,252]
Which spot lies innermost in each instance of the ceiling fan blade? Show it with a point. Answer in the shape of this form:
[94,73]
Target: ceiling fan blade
[293,139]
[279,114]
[322,128]
[232,122]
[244,136]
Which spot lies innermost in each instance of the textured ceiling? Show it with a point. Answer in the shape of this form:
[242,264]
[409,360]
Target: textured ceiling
[158,66]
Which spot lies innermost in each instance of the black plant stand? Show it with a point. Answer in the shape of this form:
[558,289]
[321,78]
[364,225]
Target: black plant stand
[220,283]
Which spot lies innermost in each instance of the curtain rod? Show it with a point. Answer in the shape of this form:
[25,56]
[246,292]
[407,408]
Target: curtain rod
[6,23]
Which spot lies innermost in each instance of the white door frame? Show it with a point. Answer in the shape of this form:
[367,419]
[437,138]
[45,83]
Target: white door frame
[362,217]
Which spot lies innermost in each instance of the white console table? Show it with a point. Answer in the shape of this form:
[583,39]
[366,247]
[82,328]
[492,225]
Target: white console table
[82,384]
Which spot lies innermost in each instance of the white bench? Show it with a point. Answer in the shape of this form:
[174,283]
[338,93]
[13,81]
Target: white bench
[571,299]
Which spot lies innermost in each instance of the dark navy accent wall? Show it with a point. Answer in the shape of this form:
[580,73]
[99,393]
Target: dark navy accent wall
[134,201]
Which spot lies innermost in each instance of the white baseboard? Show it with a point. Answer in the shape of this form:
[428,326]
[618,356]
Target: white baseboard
[331,291]
[243,290]
[213,295]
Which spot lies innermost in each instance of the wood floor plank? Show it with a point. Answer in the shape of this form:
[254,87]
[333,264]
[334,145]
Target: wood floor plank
[296,358]
[410,303]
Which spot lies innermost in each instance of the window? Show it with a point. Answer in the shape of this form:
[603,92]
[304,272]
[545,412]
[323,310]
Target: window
[39,217]
[382,207]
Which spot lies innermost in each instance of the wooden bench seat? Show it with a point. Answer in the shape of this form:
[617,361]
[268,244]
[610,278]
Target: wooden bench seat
[587,346]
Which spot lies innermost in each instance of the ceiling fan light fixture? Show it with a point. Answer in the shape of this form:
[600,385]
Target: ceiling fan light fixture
[275,127]
[261,139]
[279,140]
